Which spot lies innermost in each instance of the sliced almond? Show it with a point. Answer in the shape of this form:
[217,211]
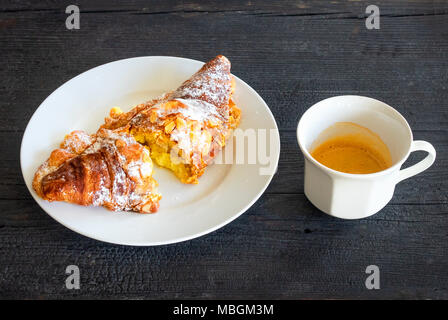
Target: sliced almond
[115,112]
[120,143]
[170,127]
[180,123]
[153,116]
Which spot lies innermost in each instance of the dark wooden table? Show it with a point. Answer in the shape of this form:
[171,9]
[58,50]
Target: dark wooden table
[294,54]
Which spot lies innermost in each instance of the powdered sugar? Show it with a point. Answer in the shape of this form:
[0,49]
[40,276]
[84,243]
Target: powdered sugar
[192,109]
[101,196]
[77,141]
[211,83]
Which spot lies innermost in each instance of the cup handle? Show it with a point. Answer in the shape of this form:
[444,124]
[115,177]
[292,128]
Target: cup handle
[424,164]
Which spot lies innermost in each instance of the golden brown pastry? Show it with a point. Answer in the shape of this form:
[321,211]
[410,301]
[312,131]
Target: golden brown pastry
[186,128]
[108,169]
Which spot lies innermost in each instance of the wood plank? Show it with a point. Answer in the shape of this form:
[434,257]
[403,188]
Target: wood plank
[281,248]
[306,7]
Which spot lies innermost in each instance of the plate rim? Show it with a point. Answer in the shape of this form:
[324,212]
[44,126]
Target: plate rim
[152,243]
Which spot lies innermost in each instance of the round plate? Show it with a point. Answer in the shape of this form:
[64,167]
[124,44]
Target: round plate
[224,192]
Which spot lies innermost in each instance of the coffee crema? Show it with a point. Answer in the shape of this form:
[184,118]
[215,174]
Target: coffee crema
[351,148]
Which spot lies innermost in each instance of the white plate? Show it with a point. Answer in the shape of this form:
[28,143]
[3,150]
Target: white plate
[186,211]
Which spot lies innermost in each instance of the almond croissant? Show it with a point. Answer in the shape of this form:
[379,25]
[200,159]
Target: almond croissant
[186,128]
[108,169]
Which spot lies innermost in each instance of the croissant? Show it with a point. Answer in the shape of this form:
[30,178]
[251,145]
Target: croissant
[185,129]
[108,169]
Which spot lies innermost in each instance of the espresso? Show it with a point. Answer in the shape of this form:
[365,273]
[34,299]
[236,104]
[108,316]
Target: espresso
[351,148]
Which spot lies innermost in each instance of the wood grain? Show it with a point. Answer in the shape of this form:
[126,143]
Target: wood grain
[294,53]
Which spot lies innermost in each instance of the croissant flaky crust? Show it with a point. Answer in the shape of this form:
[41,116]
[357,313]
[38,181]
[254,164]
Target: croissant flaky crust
[186,128]
[108,169]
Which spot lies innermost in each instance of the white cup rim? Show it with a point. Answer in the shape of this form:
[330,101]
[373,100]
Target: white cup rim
[387,171]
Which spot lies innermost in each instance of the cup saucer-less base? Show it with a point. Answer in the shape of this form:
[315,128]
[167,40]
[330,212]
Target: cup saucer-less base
[224,192]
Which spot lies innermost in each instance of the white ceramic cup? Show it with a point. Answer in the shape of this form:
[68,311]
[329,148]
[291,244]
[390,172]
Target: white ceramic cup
[354,196]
